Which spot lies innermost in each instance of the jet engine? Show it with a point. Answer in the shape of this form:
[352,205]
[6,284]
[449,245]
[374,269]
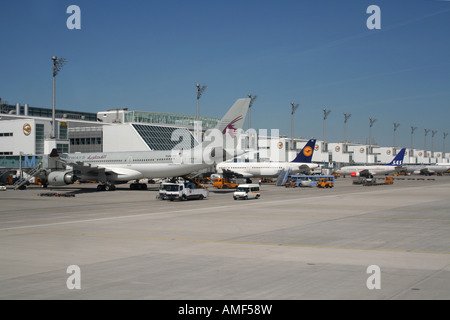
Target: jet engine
[59,178]
[355,174]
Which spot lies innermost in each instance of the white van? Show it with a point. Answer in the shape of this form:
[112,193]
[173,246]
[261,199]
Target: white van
[247,191]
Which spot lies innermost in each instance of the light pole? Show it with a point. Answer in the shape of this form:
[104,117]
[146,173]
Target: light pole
[445,134]
[433,133]
[412,133]
[346,117]
[425,139]
[293,108]
[372,121]
[57,65]
[252,99]
[325,116]
[200,91]
[396,125]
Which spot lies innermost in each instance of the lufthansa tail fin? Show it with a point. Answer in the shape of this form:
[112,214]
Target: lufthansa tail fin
[306,154]
[398,160]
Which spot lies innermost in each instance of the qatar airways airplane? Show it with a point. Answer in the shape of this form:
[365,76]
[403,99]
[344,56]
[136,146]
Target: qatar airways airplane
[110,168]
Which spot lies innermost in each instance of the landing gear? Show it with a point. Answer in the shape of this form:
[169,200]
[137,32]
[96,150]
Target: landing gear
[106,187]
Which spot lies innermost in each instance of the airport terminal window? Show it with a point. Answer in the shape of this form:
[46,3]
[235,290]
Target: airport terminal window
[40,138]
[160,138]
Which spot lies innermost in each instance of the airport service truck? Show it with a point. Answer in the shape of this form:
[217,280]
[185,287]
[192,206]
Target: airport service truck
[182,191]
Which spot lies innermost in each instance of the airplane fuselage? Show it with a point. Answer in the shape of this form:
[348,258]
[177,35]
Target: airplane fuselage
[123,166]
[374,170]
[263,169]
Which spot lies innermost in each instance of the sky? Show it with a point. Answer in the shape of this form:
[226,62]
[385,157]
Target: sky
[149,55]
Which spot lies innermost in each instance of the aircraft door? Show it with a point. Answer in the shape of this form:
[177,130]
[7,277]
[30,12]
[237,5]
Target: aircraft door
[129,160]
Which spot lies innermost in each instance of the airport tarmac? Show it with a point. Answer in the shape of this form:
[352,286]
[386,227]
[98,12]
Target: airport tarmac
[292,244]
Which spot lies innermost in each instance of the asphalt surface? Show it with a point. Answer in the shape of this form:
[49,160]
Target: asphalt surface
[292,244]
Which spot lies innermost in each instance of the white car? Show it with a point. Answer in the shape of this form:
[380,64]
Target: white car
[2,187]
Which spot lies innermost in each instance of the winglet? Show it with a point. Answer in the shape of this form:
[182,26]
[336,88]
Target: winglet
[307,152]
[398,160]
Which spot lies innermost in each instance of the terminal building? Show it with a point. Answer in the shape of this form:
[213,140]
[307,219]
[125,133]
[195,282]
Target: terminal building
[25,133]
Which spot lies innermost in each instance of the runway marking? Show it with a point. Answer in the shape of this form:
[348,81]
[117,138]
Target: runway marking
[223,241]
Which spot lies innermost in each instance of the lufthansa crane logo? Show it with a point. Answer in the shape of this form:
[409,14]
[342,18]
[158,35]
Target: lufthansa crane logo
[307,151]
[26,129]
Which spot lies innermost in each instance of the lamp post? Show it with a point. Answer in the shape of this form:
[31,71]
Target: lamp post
[425,139]
[293,108]
[412,133]
[396,125]
[433,133]
[325,116]
[200,90]
[252,99]
[57,65]
[445,134]
[372,121]
[346,117]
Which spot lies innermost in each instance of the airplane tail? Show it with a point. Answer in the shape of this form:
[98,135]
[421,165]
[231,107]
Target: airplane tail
[222,143]
[398,160]
[307,152]
[233,120]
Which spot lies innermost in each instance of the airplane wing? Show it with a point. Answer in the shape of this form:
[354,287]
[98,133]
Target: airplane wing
[227,173]
[366,173]
[304,168]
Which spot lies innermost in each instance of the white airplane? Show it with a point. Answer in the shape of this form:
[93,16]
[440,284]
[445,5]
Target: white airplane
[110,168]
[301,164]
[426,169]
[367,171]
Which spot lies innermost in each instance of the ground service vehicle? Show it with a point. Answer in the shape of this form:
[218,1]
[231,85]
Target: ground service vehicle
[325,183]
[181,191]
[389,180]
[309,180]
[224,183]
[247,191]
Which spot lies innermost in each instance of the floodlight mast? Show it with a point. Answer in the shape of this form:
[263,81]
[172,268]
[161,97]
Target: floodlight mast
[372,121]
[412,133]
[293,108]
[346,117]
[396,125]
[252,99]
[445,134]
[433,133]
[57,65]
[200,90]
[325,116]
[425,139]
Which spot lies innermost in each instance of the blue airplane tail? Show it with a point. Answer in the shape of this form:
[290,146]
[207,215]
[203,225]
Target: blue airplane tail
[307,152]
[398,160]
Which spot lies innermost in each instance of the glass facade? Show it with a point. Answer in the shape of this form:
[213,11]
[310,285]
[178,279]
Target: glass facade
[168,118]
[162,138]
[39,139]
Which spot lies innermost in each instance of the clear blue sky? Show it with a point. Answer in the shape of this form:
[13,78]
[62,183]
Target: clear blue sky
[148,55]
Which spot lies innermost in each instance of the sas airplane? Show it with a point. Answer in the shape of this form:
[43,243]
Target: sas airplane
[368,171]
[426,169]
[301,164]
[110,168]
